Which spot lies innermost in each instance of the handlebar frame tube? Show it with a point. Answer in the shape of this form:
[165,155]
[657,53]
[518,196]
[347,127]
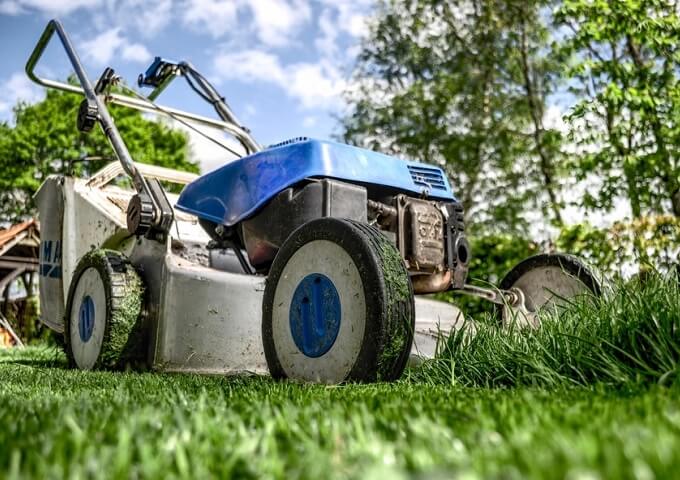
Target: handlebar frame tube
[123,100]
[104,118]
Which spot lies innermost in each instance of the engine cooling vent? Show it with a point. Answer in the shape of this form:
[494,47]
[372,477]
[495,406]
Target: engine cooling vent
[289,142]
[429,177]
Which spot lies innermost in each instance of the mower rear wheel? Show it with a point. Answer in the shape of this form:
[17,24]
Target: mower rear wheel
[338,305]
[546,281]
[102,328]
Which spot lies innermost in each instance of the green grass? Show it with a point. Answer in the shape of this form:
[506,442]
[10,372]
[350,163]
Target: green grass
[631,335]
[574,400]
[56,422]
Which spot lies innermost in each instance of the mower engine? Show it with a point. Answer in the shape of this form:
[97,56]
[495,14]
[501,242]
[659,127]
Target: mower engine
[429,234]
[430,237]
[256,203]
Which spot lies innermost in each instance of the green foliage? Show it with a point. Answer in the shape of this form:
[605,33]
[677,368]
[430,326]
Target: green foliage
[630,336]
[618,247]
[44,140]
[464,87]
[495,255]
[466,84]
[622,61]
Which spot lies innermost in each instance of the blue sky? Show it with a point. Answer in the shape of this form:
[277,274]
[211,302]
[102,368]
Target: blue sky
[281,64]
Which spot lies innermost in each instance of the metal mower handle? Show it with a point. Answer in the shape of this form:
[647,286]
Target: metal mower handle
[103,115]
[150,206]
[52,26]
[123,100]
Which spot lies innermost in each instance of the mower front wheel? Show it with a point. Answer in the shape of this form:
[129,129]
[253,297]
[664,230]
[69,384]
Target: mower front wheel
[102,328]
[338,305]
[546,281]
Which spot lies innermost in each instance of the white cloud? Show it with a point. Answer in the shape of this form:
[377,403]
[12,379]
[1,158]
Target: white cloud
[52,7]
[149,16]
[277,20]
[338,17]
[249,65]
[112,29]
[351,15]
[310,121]
[357,25]
[340,25]
[326,43]
[217,17]
[136,52]
[274,22]
[314,85]
[18,88]
[10,8]
[249,110]
[102,48]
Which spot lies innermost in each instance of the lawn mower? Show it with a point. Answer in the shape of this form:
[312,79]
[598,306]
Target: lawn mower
[301,259]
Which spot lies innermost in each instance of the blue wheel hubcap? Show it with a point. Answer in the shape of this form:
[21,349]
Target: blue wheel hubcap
[86,318]
[315,315]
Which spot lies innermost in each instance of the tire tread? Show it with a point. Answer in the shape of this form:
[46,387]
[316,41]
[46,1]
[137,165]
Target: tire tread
[389,295]
[124,335]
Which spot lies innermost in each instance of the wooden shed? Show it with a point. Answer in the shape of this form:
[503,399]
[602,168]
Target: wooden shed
[19,261]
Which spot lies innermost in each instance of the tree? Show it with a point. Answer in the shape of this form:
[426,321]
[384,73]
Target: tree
[623,67]
[44,140]
[464,84]
[614,250]
[538,71]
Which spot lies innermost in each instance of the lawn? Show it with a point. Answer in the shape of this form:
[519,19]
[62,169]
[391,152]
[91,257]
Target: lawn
[516,405]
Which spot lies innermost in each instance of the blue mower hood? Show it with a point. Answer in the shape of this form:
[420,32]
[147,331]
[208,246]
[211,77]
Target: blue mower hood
[237,190]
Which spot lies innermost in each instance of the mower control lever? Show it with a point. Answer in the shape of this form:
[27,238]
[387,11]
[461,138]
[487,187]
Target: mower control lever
[159,74]
[107,78]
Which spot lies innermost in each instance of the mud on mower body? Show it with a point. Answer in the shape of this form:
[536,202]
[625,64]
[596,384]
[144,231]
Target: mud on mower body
[325,243]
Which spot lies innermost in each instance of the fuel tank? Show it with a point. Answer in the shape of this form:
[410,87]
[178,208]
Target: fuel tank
[237,190]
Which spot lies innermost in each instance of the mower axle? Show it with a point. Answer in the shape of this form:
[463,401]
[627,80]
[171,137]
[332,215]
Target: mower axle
[512,298]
